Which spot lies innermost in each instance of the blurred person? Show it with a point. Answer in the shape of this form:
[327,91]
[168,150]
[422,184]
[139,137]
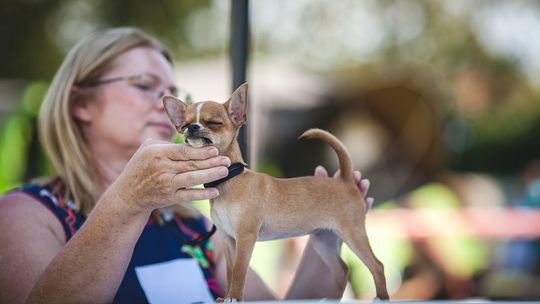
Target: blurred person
[435,261]
[517,272]
[450,266]
[102,230]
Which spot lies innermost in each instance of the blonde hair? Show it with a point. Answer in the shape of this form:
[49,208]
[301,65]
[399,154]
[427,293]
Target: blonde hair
[59,130]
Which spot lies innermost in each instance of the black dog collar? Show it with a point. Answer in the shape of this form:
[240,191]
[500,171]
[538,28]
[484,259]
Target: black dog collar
[234,170]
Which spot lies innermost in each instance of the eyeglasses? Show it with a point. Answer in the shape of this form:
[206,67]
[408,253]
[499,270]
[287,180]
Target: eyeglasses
[148,83]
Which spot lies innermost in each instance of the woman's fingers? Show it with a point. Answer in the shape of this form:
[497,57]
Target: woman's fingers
[357,176]
[369,203]
[185,152]
[186,195]
[363,185]
[320,171]
[191,165]
[197,177]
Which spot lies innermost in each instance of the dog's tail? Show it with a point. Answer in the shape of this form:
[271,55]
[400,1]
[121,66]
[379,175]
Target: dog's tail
[345,162]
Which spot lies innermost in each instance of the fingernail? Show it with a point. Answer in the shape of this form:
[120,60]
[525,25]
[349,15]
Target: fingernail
[223,171]
[225,161]
[212,151]
[370,201]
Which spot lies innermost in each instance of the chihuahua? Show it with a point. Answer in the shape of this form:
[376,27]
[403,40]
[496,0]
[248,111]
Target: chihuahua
[257,207]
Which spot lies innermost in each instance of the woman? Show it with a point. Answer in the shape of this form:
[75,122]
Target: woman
[114,218]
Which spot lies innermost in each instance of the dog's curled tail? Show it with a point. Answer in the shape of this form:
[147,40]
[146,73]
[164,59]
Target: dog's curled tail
[345,162]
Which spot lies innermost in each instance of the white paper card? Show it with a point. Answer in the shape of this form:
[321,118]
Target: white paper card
[176,281]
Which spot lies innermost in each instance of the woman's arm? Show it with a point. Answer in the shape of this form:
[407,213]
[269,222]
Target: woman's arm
[321,273]
[30,237]
[90,267]
[92,264]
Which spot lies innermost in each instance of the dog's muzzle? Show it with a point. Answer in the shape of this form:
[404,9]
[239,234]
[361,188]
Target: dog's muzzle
[192,128]
[197,136]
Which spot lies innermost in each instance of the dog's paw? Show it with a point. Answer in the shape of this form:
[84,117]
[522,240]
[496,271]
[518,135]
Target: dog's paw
[226,300]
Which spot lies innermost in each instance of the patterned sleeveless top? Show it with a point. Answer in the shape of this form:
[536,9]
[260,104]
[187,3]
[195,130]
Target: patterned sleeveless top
[157,243]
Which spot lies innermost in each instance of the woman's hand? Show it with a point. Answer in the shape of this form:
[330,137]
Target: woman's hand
[160,174]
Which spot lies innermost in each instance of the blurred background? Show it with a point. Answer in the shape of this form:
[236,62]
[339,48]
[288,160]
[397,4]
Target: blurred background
[437,101]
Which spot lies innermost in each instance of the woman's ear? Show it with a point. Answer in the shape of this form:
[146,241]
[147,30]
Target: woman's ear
[79,102]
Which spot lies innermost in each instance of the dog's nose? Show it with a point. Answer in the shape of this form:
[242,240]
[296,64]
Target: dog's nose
[194,127]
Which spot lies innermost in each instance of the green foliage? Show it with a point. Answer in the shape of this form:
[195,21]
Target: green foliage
[28,49]
[514,122]
[36,34]
[13,145]
[166,19]
[270,168]
[33,96]
[177,138]
[21,156]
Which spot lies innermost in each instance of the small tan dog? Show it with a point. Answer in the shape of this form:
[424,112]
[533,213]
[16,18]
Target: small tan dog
[254,206]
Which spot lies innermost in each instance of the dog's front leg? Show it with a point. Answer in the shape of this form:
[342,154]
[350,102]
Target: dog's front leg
[229,245]
[245,242]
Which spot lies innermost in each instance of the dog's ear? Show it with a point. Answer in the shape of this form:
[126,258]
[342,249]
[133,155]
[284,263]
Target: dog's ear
[176,109]
[237,105]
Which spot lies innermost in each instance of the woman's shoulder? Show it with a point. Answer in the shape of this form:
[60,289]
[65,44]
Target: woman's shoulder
[30,195]
[33,204]
[19,208]
[23,197]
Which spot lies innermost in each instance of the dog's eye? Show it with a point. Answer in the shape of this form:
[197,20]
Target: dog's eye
[214,123]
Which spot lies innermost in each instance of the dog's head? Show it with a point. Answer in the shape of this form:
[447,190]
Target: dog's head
[207,122]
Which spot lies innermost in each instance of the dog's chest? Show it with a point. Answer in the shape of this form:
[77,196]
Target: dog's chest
[221,216]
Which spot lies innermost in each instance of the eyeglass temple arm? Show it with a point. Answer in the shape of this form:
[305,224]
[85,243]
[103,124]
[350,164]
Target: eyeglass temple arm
[96,82]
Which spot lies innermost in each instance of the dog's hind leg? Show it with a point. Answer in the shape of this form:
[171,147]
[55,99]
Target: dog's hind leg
[354,235]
